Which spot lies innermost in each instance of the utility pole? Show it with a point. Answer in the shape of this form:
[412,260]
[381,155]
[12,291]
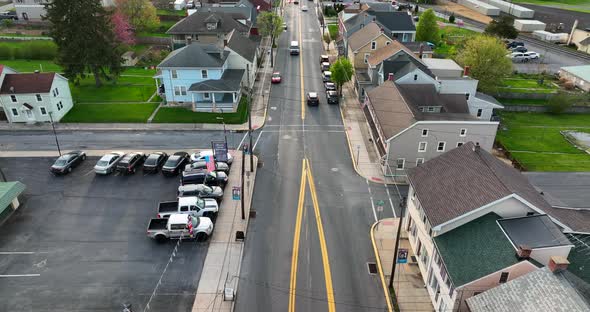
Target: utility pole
[242,187]
[54,133]
[395,249]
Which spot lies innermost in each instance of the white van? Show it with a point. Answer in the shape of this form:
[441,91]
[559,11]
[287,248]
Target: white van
[294,48]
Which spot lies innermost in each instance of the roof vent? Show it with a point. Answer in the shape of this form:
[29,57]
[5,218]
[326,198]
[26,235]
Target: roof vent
[476,148]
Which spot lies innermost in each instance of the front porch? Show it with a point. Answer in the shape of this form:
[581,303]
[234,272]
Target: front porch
[222,102]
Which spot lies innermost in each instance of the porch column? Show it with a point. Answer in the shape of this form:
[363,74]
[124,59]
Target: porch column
[213,99]
[193,98]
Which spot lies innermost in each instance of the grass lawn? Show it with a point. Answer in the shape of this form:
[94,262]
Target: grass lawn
[333,29]
[534,139]
[118,92]
[110,113]
[450,37]
[171,12]
[183,115]
[573,5]
[526,86]
[29,66]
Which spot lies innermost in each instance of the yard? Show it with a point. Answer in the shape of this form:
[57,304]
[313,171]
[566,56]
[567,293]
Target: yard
[333,29]
[451,37]
[183,115]
[105,113]
[535,141]
[524,85]
[158,31]
[574,5]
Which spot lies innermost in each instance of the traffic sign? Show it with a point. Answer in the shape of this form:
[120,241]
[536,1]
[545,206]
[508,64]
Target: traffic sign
[402,255]
[380,205]
[235,192]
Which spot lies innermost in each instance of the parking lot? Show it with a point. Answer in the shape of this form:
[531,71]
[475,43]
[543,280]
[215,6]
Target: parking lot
[78,243]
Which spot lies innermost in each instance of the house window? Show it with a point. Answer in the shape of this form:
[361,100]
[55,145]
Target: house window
[424,133]
[56,92]
[400,163]
[204,74]
[460,144]
[419,161]
[422,147]
[366,60]
[467,96]
[504,277]
[13,98]
[14,112]
[441,147]
[373,45]
[463,132]
[206,96]
[39,98]
[59,106]
[362,92]
[174,74]
[42,110]
[479,112]
[415,77]
[430,109]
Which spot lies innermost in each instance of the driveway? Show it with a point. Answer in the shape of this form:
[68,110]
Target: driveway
[78,243]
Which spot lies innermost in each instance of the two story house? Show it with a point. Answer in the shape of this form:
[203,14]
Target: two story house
[34,97]
[476,223]
[208,28]
[33,10]
[243,7]
[207,77]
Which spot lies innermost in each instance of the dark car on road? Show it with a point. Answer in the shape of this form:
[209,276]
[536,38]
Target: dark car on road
[520,49]
[66,162]
[202,191]
[313,99]
[330,86]
[10,15]
[201,164]
[130,162]
[332,97]
[175,163]
[154,161]
[201,176]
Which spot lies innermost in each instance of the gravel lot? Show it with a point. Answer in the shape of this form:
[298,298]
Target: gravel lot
[84,235]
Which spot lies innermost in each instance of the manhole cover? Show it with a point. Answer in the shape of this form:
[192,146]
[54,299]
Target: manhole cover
[372,266]
[334,169]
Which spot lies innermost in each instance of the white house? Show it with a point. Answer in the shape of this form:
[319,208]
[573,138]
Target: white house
[34,97]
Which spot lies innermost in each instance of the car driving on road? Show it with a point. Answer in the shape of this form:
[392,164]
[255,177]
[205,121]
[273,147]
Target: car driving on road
[327,76]
[330,86]
[313,99]
[175,163]
[66,162]
[154,161]
[106,164]
[130,162]
[275,78]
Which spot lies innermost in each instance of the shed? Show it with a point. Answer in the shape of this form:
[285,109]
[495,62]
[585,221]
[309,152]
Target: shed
[9,192]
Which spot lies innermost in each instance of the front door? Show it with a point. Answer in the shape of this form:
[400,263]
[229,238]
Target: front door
[30,115]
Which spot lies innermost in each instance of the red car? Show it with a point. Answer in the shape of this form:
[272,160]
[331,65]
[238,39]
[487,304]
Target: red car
[276,77]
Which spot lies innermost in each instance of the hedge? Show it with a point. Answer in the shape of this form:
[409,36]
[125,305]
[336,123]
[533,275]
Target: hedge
[28,50]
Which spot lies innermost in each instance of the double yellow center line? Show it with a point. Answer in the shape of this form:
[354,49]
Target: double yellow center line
[306,175]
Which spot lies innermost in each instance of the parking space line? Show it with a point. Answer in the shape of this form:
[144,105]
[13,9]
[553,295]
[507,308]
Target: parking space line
[20,275]
[22,252]
[89,172]
[242,141]
[256,143]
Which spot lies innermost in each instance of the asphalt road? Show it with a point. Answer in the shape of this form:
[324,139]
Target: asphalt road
[84,235]
[343,198]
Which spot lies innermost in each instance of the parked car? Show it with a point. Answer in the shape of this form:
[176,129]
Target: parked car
[175,163]
[9,15]
[324,59]
[517,57]
[285,26]
[106,164]
[332,97]
[275,78]
[327,76]
[520,49]
[202,191]
[66,162]
[531,55]
[200,176]
[177,227]
[130,162]
[325,66]
[330,86]
[193,205]
[313,99]
[514,44]
[201,164]
[154,161]
[202,154]
[304,8]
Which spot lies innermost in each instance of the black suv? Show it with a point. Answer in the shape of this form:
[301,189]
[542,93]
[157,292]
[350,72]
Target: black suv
[201,176]
[332,97]
[514,44]
[175,163]
[130,162]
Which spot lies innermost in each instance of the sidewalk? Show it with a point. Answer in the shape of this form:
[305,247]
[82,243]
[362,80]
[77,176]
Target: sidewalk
[411,293]
[224,255]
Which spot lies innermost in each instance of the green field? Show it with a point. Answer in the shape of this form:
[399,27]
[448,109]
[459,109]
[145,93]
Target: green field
[535,141]
[521,85]
[573,5]
[183,115]
[29,66]
[451,38]
[106,113]
[171,12]
[87,92]
[333,29]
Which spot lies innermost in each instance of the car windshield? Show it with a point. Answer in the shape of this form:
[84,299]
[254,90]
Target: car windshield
[195,221]
[207,189]
[200,203]
[102,163]
[276,75]
[151,160]
[172,161]
[60,162]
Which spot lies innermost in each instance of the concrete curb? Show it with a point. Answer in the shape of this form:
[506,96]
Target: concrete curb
[381,276]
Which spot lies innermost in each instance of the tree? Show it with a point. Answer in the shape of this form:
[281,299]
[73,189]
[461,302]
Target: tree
[452,18]
[122,29]
[427,29]
[503,28]
[342,71]
[270,24]
[486,57]
[327,39]
[141,14]
[85,39]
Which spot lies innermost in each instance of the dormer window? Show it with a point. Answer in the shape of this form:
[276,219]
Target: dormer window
[211,26]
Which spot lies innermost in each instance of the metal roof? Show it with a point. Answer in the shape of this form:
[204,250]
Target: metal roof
[8,192]
[537,231]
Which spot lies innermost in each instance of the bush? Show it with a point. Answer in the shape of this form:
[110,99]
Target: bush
[7,23]
[452,19]
[559,102]
[28,50]
[568,85]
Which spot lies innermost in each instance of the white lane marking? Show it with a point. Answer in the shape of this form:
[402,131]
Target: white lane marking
[372,201]
[89,172]
[242,141]
[341,126]
[22,252]
[390,201]
[20,275]
[256,143]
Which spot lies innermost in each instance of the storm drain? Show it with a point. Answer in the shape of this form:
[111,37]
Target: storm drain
[372,266]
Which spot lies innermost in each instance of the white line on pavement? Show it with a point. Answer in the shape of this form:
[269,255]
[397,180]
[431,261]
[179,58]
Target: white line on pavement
[256,143]
[372,201]
[390,201]
[304,130]
[242,141]
[20,275]
[341,126]
[22,252]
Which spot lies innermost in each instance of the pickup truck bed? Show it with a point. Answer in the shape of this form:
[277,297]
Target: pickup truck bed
[157,224]
[171,206]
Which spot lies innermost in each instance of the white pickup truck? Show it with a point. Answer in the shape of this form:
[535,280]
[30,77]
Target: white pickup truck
[193,205]
[177,227]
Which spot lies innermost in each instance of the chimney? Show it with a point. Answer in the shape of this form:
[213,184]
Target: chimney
[476,147]
[523,252]
[390,76]
[224,43]
[421,50]
[558,264]
[466,71]
[382,30]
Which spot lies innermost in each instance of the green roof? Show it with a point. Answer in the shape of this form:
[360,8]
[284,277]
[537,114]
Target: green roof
[582,71]
[578,258]
[8,192]
[475,249]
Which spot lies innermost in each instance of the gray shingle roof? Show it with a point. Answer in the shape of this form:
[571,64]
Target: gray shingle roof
[418,95]
[243,46]
[540,290]
[230,81]
[463,179]
[195,55]
[392,21]
[197,23]
[8,192]
[536,231]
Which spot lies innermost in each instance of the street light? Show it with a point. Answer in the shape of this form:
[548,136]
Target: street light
[54,133]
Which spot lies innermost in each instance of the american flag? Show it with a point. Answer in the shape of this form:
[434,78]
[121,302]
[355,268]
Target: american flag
[210,163]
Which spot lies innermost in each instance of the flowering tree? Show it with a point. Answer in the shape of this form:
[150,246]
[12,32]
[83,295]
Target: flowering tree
[122,29]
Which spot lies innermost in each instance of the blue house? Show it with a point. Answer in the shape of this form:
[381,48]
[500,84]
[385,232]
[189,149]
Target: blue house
[199,75]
